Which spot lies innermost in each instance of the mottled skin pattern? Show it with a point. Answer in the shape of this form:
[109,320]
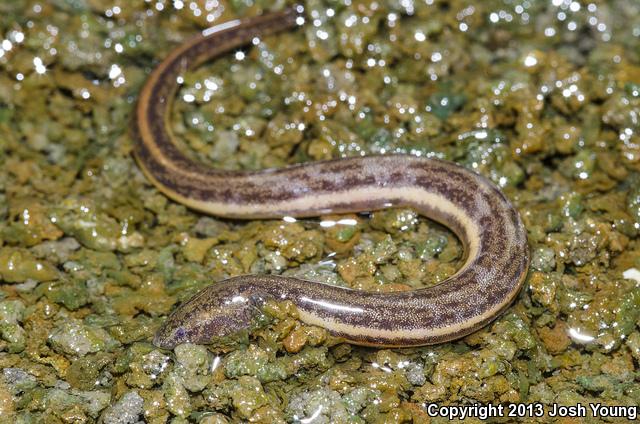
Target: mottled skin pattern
[496,249]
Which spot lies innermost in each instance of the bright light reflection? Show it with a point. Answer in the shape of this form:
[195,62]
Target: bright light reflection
[333,306]
[313,416]
[346,221]
[215,363]
[221,27]
[632,274]
[530,61]
[381,367]
[40,68]
[581,337]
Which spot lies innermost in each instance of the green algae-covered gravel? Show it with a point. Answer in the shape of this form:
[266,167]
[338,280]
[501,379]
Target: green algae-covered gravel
[542,97]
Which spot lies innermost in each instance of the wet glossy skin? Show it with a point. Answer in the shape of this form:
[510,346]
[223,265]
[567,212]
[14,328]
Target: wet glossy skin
[490,229]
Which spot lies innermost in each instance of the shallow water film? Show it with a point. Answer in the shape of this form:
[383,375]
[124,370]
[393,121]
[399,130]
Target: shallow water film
[542,97]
